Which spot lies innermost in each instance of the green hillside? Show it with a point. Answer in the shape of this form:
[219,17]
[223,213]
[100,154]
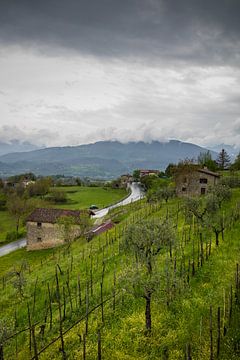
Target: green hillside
[103,159]
[87,302]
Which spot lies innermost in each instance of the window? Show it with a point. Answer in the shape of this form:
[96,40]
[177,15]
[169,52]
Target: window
[39,224]
[184,189]
[39,239]
[203,181]
[203,191]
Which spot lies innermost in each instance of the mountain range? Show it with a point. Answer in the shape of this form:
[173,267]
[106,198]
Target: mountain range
[16,146]
[103,159]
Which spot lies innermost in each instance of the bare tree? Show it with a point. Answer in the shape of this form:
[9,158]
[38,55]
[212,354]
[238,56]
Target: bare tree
[19,207]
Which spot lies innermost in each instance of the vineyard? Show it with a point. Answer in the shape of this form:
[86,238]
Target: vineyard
[160,285]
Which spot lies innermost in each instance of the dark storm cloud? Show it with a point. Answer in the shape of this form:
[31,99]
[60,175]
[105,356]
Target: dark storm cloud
[203,31]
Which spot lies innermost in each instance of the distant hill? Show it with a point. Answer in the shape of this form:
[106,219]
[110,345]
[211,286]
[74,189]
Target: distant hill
[16,146]
[233,151]
[103,159]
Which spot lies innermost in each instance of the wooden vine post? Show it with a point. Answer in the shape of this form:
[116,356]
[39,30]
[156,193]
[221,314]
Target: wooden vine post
[1,352]
[211,334]
[99,346]
[60,318]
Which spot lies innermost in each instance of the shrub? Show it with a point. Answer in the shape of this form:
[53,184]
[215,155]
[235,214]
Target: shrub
[57,197]
[12,236]
[231,181]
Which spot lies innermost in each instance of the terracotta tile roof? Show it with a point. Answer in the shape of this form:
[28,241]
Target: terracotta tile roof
[208,172]
[148,171]
[96,230]
[45,215]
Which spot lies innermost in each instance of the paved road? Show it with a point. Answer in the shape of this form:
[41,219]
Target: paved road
[136,194]
[15,245]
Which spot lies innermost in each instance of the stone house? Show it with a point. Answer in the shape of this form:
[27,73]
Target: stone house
[46,227]
[196,182]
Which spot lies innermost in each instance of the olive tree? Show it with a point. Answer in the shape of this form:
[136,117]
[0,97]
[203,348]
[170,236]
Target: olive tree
[205,159]
[145,240]
[66,224]
[208,210]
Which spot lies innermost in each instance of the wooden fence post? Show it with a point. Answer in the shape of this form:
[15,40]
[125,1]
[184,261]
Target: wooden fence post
[30,326]
[84,346]
[60,317]
[34,343]
[211,334]
[99,346]
[1,352]
[219,331]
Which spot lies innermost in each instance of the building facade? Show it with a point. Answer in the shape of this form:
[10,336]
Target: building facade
[196,183]
[47,228]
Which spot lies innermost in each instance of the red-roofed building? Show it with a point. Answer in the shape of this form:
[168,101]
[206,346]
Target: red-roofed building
[99,229]
[149,172]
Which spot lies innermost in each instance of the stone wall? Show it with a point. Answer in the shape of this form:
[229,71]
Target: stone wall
[49,235]
[190,185]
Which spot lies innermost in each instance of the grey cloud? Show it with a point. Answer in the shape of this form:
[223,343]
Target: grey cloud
[38,137]
[187,30]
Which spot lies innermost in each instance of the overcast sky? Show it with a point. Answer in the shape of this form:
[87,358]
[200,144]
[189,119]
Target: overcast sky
[79,71]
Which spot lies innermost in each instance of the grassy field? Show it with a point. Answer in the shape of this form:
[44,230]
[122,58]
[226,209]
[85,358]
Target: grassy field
[83,197]
[78,198]
[94,288]
[7,224]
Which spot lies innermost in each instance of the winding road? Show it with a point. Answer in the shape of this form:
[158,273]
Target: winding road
[15,245]
[136,194]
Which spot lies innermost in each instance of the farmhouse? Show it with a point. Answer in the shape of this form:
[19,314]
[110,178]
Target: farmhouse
[196,182]
[47,228]
[148,172]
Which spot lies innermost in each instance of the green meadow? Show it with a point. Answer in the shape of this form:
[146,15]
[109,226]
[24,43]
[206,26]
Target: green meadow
[83,197]
[7,224]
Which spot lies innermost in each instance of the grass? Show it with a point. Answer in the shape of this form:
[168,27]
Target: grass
[182,320]
[229,173]
[7,224]
[17,258]
[83,197]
